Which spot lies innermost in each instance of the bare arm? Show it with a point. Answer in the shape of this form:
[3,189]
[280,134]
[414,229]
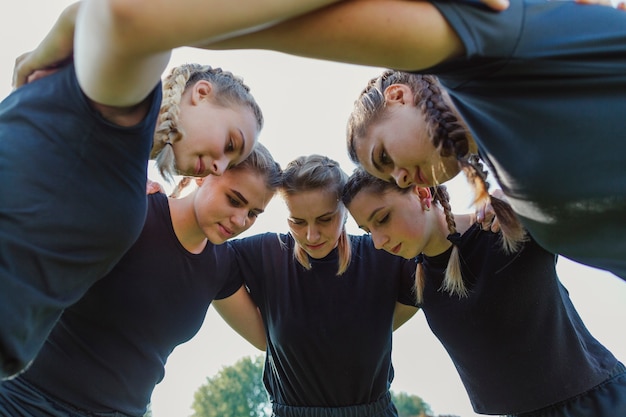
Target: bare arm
[240,312]
[401,34]
[402,314]
[123,46]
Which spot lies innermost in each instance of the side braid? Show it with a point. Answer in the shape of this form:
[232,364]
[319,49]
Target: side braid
[512,232]
[453,280]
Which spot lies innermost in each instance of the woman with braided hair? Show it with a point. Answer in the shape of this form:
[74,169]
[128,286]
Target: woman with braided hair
[75,141]
[539,86]
[505,319]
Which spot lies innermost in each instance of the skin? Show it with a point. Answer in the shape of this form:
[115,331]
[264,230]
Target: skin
[399,148]
[221,208]
[404,223]
[214,137]
[316,221]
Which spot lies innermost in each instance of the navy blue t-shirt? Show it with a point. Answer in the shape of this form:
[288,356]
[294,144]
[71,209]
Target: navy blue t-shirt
[542,87]
[108,351]
[73,201]
[517,341]
[329,337]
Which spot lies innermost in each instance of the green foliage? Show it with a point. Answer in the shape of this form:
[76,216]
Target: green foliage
[410,405]
[236,391]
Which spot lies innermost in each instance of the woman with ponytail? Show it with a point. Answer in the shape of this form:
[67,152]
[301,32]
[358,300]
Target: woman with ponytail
[330,302]
[507,322]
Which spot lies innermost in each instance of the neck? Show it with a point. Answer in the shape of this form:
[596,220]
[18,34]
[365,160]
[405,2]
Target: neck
[439,243]
[185,224]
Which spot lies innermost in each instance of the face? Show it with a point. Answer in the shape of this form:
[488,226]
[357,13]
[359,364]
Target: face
[316,220]
[396,221]
[399,148]
[227,205]
[215,137]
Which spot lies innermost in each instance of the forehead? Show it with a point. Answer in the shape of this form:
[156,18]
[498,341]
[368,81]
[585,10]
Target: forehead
[311,204]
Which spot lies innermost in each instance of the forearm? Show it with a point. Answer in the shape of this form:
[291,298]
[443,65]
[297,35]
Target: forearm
[397,34]
[242,315]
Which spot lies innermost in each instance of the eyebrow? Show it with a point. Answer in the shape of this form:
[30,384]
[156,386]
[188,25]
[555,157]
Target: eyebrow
[330,213]
[239,195]
[374,212]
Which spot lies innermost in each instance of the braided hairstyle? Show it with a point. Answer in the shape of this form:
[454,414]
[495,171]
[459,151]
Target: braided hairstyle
[453,283]
[448,132]
[229,91]
[317,172]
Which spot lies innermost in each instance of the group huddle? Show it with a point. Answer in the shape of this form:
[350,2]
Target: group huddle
[100,278]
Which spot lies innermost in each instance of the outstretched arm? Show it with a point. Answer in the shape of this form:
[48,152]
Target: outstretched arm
[240,312]
[400,34]
[121,47]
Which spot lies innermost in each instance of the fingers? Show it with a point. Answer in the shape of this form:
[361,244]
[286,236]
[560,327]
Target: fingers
[20,71]
[498,5]
[153,187]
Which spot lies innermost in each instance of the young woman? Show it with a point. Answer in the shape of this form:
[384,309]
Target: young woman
[330,302]
[507,322]
[534,84]
[74,147]
[108,351]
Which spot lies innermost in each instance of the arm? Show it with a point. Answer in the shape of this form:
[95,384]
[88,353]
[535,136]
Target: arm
[121,47]
[399,34]
[402,314]
[240,312]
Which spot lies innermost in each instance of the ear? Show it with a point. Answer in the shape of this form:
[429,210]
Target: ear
[398,93]
[425,197]
[201,91]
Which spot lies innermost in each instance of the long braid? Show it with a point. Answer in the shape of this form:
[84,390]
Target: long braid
[448,132]
[512,231]
[229,90]
[453,279]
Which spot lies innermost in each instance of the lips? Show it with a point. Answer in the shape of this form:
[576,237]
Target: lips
[396,249]
[315,247]
[200,167]
[224,231]
[420,178]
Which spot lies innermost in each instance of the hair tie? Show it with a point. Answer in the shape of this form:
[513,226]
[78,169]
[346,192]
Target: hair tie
[169,143]
[419,258]
[455,238]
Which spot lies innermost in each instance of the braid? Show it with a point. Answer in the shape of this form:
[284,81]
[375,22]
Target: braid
[453,280]
[229,90]
[512,231]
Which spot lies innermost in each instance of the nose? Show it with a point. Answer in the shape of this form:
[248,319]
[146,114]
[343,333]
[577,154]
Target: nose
[401,177]
[218,166]
[240,219]
[379,240]
[312,234]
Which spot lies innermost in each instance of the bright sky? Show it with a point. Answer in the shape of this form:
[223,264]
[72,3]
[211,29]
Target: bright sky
[306,104]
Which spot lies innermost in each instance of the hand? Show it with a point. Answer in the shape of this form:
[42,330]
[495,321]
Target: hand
[501,5]
[54,52]
[153,187]
[486,216]
[620,6]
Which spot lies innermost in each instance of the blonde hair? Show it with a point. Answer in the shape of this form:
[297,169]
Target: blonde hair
[317,172]
[229,91]
[448,132]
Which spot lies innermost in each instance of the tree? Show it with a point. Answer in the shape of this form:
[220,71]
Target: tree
[236,391]
[410,405]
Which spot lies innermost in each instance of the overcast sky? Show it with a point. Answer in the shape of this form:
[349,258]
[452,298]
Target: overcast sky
[306,104]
